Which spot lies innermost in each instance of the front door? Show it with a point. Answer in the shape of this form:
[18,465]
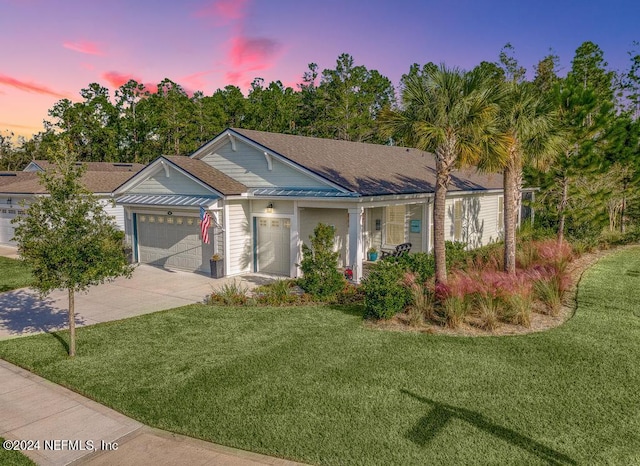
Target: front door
[273,245]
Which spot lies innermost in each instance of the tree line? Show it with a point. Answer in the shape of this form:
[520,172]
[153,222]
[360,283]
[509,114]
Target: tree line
[136,124]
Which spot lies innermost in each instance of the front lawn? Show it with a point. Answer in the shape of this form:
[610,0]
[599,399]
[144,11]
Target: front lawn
[13,274]
[315,385]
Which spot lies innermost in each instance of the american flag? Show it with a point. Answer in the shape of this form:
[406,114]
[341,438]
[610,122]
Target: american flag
[205,222]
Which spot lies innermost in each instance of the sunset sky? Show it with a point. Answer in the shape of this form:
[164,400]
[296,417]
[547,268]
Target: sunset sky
[50,49]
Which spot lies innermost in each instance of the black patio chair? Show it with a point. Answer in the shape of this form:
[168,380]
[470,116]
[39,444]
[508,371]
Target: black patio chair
[398,251]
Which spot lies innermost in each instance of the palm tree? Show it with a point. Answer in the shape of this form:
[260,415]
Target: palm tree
[532,131]
[452,114]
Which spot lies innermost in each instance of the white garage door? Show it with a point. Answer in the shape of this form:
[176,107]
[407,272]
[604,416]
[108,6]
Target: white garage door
[6,227]
[274,239]
[173,241]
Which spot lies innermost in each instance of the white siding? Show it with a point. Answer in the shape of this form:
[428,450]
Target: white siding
[240,249]
[479,219]
[280,206]
[176,183]
[128,227]
[339,218]
[374,237]
[249,166]
[415,213]
[115,211]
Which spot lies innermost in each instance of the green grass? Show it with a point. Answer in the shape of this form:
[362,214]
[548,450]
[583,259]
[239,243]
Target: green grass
[315,385]
[14,274]
[13,458]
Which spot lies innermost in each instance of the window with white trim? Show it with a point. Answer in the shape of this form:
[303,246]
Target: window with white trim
[394,224]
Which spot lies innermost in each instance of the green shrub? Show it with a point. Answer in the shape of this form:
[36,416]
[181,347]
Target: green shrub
[632,235]
[488,311]
[321,277]
[517,309]
[529,232]
[549,292]
[421,264]
[350,294]
[457,255]
[421,299]
[455,309]
[278,293]
[231,294]
[384,293]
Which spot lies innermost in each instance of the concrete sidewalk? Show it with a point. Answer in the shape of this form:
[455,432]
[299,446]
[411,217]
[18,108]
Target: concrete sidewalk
[35,409]
[150,289]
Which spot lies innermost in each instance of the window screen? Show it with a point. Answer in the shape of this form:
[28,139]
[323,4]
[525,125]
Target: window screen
[395,224]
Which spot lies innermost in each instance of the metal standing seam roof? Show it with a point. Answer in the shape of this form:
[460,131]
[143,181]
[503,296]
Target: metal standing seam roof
[297,192]
[174,200]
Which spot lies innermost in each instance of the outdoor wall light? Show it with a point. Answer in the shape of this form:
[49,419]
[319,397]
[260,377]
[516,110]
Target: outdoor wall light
[9,201]
[270,208]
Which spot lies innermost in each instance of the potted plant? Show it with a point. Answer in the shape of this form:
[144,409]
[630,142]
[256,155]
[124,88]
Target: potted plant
[217,266]
[372,254]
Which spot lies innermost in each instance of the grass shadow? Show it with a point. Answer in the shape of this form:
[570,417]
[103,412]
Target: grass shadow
[355,310]
[63,342]
[430,425]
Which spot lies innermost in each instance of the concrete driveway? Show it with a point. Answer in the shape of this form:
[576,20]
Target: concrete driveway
[151,289]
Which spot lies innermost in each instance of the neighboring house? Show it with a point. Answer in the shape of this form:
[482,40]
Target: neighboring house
[266,193]
[17,189]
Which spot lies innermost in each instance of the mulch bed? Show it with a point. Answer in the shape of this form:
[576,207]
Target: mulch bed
[539,321]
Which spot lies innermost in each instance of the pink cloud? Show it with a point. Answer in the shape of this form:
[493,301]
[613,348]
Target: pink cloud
[195,80]
[248,54]
[234,77]
[223,11]
[89,48]
[118,79]
[247,51]
[28,86]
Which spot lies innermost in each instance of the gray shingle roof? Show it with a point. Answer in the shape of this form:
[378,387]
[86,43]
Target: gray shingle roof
[97,166]
[94,181]
[209,175]
[368,169]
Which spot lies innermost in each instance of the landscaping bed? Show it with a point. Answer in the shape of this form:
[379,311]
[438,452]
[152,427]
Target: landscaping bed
[540,321]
